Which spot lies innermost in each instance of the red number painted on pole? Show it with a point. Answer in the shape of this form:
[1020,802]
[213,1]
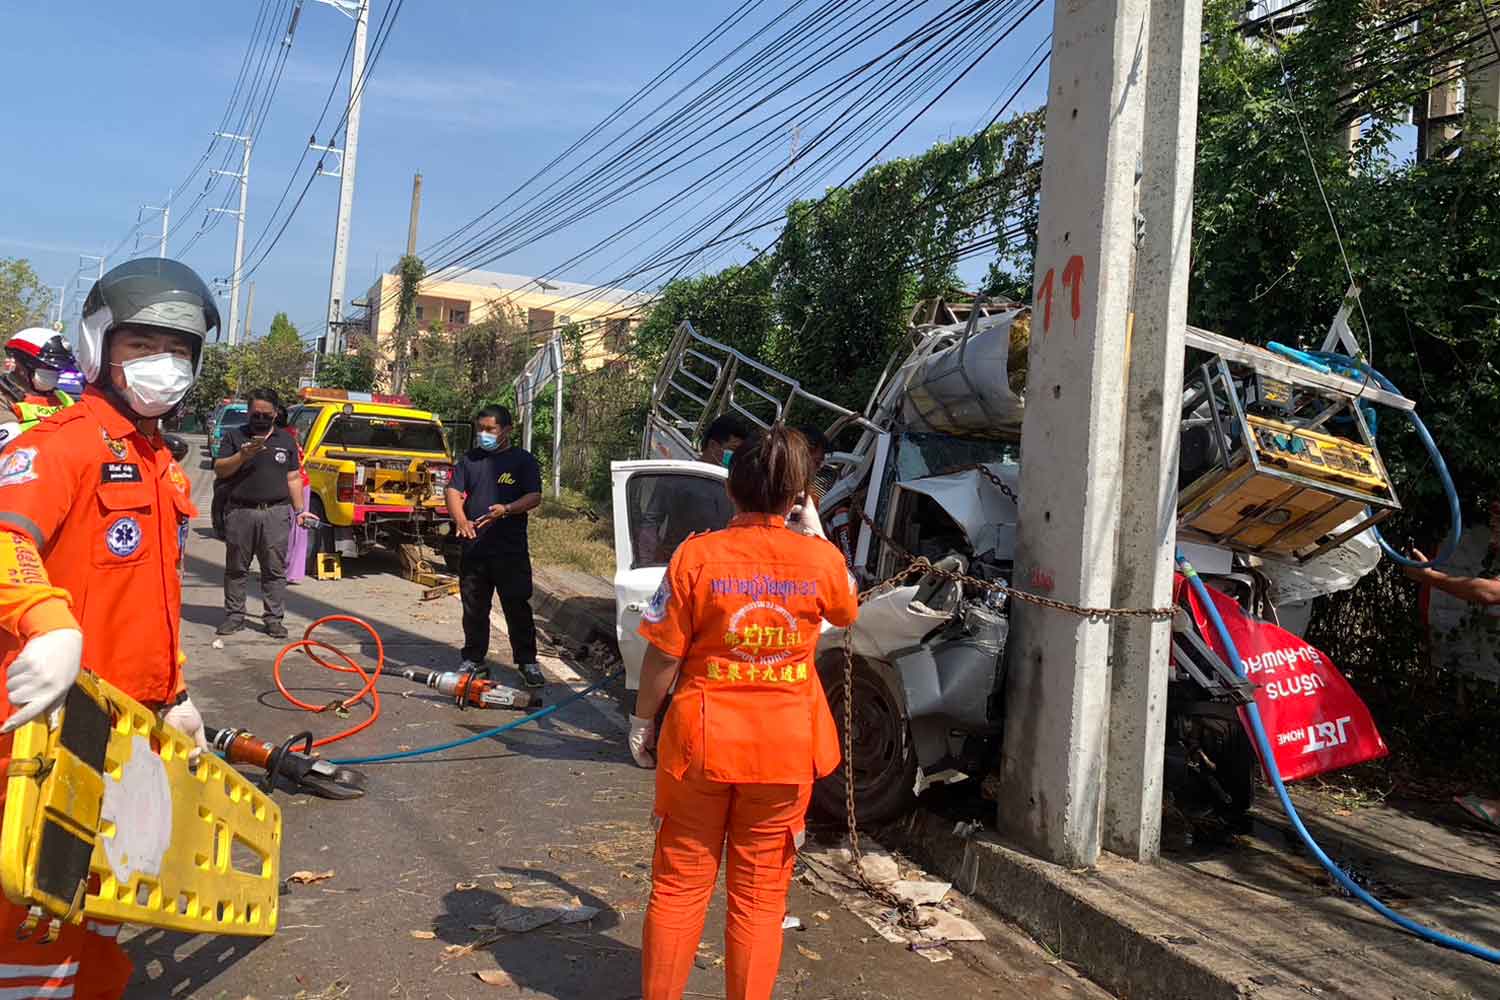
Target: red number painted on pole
[1072,277]
[1044,294]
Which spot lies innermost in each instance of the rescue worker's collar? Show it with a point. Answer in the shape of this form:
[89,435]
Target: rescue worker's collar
[758,520]
[116,424]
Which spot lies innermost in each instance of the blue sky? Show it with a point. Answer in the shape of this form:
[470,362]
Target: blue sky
[110,104]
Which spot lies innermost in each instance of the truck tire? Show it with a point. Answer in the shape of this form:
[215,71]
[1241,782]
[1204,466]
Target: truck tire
[885,759]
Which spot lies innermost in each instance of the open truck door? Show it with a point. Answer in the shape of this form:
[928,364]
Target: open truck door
[657,504]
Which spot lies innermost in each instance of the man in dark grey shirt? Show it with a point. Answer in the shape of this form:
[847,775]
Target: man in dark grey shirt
[258,466]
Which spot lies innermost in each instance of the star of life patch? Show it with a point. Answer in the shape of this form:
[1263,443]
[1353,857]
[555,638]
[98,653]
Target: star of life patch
[656,611]
[18,467]
[123,536]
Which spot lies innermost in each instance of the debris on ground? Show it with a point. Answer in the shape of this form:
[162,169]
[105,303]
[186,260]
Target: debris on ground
[495,977]
[308,878]
[791,923]
[808,953]
[831,872]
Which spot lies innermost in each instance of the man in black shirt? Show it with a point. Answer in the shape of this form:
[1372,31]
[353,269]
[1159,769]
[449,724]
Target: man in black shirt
[257,466]
[501,483]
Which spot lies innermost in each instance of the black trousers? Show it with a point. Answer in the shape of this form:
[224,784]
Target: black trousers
[479,579]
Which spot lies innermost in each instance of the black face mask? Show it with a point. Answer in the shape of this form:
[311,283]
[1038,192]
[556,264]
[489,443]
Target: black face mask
[261,423]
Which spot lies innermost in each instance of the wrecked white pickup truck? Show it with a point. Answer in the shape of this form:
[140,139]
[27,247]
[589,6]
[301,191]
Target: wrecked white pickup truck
[933,461]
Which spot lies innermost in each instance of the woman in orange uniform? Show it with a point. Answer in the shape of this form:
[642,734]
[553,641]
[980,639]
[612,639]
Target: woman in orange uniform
[734,626]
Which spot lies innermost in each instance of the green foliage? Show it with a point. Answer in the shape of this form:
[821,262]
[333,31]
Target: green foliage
[213,385]
[455,371]
[24,300]
[411,271]
[1423,241]
[355,372]
[277,361]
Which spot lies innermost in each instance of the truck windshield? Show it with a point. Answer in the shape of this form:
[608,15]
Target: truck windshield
[392,433]
[932,454]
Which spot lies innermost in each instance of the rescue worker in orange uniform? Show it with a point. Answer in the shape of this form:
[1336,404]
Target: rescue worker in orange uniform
[35,360]
[93,516]
[734,626]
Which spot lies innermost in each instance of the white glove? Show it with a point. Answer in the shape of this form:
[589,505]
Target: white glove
[184,716]
[643,741]
[807,521]
[41,675]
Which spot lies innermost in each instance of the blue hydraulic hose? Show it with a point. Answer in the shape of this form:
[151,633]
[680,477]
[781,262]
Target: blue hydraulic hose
[541,713]
[1455,514]
[1252,712]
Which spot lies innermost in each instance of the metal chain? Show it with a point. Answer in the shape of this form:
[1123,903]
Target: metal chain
[907,911]
[988,473]
[923,564]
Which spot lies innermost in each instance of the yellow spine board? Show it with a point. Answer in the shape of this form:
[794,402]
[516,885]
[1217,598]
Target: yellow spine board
[89,803]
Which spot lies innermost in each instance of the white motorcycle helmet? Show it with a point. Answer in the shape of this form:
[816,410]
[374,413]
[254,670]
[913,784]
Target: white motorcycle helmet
[149,291]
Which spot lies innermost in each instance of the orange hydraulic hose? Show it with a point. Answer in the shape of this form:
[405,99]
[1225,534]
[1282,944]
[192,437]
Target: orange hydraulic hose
[307,644]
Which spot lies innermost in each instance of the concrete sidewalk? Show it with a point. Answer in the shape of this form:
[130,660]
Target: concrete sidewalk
[1253,917]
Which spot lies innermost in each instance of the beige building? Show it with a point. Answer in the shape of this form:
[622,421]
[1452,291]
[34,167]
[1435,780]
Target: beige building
[606,316]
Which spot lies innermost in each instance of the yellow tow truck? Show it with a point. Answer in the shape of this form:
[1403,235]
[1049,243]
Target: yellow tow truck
[377,467]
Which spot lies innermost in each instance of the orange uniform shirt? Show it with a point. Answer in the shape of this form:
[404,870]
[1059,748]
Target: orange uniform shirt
[94,515]
[742,608]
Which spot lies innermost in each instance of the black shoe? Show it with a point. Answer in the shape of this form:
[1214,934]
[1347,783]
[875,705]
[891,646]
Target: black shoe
[230,626]
[531,675]
[276,630]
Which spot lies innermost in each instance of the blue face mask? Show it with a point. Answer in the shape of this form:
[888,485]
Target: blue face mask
[728,457]
[489,441]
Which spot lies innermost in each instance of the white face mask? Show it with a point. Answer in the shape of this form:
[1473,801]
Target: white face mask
[156,383]
[44,380]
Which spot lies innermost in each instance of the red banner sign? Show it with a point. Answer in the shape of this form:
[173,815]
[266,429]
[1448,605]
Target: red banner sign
[1313,718]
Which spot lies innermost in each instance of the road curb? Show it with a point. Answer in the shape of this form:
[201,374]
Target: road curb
[1130,950]
[566,609]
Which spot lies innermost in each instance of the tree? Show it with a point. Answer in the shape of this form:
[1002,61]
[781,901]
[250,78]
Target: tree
[354,372]
[213,384]
[277,361]
[411,271]
[24,300]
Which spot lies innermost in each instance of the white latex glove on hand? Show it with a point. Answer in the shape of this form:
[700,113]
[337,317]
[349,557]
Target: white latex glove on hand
[807,521]
[41,675]
[643,742]
[184,716]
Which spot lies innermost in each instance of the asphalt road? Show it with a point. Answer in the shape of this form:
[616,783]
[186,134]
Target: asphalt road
[439,842]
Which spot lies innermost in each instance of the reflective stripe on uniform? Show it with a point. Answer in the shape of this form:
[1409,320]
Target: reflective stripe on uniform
[62,992]
[25,526]
[60,970]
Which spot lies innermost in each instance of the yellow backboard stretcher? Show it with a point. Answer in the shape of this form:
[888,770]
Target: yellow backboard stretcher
[105,820]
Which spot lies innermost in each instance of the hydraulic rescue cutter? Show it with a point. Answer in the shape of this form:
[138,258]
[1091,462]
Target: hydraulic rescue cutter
[287,768]
[106,817]
[469,688]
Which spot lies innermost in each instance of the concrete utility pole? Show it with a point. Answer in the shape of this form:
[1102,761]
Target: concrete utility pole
[360,11]
[82,282]
[1057,703]
[239,231]
[1148,472]
[249,312]
[416,211]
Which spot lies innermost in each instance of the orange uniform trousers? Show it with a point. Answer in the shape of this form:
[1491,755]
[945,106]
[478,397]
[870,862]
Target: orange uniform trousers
[757,828]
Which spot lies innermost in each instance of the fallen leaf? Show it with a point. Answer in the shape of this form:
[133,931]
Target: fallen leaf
[423,935]
[465,886]
[308,878]
[1343,812]
[820,915]
[505,885]
[494,977]
[807,952]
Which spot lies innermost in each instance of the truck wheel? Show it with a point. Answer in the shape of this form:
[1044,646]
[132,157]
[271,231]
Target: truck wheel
[884,759]
[319,539]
